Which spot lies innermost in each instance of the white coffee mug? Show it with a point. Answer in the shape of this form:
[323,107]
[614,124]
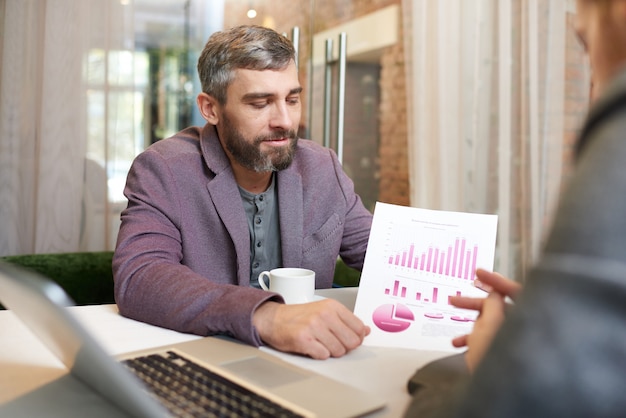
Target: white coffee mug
[295,285]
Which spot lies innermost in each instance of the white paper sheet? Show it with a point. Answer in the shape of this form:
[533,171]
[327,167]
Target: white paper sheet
[415,259]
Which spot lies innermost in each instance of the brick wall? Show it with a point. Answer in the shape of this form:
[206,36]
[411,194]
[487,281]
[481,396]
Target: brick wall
[394,170]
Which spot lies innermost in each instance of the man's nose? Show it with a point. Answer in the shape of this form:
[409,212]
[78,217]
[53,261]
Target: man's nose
[282,116]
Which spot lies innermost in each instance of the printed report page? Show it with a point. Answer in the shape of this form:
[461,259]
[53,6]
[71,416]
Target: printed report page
[417,258]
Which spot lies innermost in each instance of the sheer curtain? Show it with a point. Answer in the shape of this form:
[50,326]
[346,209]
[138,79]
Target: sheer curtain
[52,188]
[497,91]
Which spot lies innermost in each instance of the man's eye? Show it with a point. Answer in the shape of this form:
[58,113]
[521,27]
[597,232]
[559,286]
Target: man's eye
[293,100]
[258,105]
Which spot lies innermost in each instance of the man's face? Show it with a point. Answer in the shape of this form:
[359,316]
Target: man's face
[258,125]
[601,26]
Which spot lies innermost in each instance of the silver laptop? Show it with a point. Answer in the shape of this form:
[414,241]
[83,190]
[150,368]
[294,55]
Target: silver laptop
[40,304]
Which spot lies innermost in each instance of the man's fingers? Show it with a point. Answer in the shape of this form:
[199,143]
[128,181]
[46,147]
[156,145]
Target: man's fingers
[494,308]
[497,283]
[466,302]
[354,323]
[316,350]
[336,346]
[345,333]
[460,341]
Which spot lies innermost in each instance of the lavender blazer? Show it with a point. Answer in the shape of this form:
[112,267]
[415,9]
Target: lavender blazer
[183,251]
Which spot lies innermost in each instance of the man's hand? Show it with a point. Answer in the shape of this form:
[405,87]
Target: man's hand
[320,329]
[492,311]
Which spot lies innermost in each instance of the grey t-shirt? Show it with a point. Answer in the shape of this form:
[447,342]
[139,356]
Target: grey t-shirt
[262,213]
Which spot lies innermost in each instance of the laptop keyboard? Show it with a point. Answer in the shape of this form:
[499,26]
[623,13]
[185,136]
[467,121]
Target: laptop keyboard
[187,389]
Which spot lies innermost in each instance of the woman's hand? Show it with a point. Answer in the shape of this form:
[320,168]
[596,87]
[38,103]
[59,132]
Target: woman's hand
[491,314]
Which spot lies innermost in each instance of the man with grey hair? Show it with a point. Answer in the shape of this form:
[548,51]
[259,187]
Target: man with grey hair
[212,207]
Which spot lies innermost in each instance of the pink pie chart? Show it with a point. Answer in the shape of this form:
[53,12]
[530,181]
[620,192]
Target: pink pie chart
[460,318]
[393,318]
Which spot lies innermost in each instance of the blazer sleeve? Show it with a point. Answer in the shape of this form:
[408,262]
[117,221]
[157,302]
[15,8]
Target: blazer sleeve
[151,282]
[433,386]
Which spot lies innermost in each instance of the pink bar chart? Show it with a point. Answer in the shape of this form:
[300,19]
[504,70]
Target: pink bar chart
[455,260]
[433,295]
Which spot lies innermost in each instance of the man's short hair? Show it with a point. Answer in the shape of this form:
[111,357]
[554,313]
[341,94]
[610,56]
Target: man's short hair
[248,47]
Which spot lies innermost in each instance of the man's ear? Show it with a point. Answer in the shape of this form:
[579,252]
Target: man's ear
[208,107]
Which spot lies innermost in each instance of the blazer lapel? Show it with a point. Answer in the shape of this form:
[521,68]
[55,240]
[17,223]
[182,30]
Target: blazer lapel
[291,215]
[225,196]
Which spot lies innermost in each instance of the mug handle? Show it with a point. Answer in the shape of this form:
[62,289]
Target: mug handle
[262,281]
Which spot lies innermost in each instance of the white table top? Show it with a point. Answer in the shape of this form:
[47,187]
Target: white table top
[26,364]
